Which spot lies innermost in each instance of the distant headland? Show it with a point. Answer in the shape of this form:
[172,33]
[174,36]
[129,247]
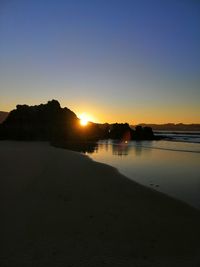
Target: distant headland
[172,126]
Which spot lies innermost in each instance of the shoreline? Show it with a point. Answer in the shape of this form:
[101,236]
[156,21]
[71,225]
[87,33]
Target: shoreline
[62,208]
[143,185]
[168,168]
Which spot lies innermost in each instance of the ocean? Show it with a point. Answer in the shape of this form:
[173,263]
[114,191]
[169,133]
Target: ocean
[171,165]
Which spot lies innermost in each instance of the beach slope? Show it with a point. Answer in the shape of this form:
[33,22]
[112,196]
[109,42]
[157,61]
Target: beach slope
[60,208]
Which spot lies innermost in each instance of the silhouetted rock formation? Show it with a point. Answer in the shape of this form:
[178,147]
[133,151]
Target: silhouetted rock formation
[43,122]
[123,132]
[141,133]
[59,125]
[120,131]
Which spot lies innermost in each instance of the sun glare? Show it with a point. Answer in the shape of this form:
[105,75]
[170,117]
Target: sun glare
[84,119]
[84,122]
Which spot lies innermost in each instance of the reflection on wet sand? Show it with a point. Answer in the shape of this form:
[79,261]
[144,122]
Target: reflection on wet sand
[169,167]
[119,148]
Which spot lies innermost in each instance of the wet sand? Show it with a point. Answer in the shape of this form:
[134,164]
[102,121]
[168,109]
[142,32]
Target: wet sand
[60,208]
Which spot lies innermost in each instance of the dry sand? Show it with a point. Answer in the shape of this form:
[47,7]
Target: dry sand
[59,208]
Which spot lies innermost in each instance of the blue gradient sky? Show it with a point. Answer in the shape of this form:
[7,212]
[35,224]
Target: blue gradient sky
[117,60]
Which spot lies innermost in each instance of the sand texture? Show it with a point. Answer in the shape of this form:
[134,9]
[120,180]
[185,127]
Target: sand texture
[59,208]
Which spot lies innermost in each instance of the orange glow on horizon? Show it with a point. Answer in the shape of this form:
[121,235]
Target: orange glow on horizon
[109,114]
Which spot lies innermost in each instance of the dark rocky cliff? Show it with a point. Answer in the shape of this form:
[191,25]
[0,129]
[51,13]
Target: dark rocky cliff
[42,122]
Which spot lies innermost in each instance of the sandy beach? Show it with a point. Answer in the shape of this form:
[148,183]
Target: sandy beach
[60,208]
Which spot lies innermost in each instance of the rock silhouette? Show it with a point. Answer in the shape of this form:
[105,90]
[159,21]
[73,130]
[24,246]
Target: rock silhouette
[52,123]
[42,122]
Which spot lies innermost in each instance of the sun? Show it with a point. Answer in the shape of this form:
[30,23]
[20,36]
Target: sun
[84,119]
[83,122]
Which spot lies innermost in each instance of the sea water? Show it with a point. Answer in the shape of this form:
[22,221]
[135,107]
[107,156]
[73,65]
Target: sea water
[169,166]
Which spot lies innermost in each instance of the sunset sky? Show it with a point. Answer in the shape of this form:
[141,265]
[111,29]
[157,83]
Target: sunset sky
[117,60]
